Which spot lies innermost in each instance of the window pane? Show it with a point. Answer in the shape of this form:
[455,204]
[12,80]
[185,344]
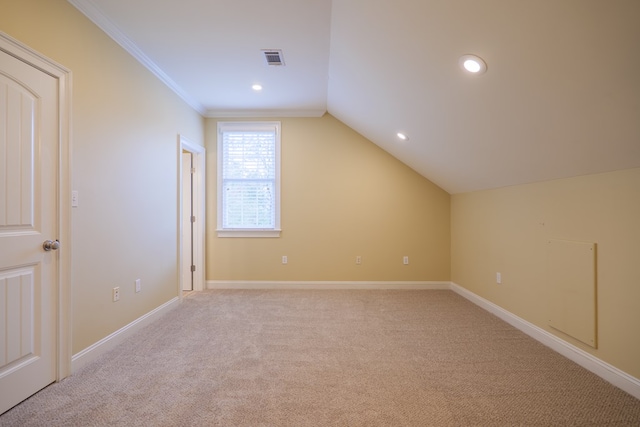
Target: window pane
[249,155]
[248,204]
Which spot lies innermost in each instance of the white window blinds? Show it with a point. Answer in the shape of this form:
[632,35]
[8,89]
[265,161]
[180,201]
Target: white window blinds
[249,176]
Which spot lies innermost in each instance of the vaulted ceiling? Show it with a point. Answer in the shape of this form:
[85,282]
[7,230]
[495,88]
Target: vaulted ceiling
[560,97]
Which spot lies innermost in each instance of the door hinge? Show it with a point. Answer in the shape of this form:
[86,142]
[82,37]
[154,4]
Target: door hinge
[193,219]
[193,170]
[193,268]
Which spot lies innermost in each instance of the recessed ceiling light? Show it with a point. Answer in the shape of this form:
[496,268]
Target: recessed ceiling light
[257,87]
[402,136]
[473,64]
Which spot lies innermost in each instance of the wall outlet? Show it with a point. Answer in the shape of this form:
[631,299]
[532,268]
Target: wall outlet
[498,278]
[284,259]
[405,260]
[358,260]
[138,285]
[116,294]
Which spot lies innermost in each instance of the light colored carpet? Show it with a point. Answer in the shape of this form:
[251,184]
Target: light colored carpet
[329,358]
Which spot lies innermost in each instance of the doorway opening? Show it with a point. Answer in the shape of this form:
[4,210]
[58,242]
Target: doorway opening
[188,217]
[191,176]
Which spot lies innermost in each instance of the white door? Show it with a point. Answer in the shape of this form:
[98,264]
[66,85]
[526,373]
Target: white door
[187,223]
[28,216]
[191,178]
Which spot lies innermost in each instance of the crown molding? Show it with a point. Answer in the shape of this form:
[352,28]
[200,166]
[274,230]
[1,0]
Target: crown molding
[91,11]
[224,114]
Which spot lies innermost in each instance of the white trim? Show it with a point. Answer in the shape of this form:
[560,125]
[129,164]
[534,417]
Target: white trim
[248,233]
[64,328]
[91,353]
[93,12]
[604,370]
[264,284]
[199,203]
[65,349]
[227,114]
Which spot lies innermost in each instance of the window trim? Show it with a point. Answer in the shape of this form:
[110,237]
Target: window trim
[248,232]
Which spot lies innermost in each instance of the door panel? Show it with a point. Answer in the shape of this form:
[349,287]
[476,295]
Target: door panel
[28,216]
[17,292]
[16,153]
[187,225]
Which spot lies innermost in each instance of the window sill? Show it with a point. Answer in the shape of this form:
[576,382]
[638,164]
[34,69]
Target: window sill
[249,233]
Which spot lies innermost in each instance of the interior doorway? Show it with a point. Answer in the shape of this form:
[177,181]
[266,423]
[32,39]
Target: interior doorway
[192,216]
[187,221]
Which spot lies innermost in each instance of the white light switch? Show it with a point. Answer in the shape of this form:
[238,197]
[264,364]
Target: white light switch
[74,199]
[498,278]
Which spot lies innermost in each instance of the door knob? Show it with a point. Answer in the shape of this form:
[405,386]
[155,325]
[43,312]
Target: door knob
[51,245]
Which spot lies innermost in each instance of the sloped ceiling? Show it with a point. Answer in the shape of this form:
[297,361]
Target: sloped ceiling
[560,98]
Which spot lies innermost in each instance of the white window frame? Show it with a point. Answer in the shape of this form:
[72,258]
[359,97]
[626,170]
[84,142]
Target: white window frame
[248,232]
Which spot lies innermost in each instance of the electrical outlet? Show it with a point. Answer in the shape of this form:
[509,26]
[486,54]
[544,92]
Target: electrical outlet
[498,278]
[138,285]
[284,259]
[116,294]
[358,260]
[405,260]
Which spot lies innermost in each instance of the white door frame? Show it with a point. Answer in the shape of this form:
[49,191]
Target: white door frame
[63,286]
[198,156]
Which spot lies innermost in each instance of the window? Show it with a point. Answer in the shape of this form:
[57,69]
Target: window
[249,179]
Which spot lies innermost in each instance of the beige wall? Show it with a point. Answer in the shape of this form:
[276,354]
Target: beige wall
[342,196]
[506,229]
[124,143]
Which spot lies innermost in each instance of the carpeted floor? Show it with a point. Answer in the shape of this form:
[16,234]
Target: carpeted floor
[329,358]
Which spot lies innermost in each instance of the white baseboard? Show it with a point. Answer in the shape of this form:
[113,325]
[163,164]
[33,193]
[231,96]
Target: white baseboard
[604,370]
[109,342]
[261,284]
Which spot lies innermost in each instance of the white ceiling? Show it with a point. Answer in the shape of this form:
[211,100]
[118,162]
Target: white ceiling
[561,96]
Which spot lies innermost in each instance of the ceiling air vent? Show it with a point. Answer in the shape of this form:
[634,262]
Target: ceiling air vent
[273,57]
